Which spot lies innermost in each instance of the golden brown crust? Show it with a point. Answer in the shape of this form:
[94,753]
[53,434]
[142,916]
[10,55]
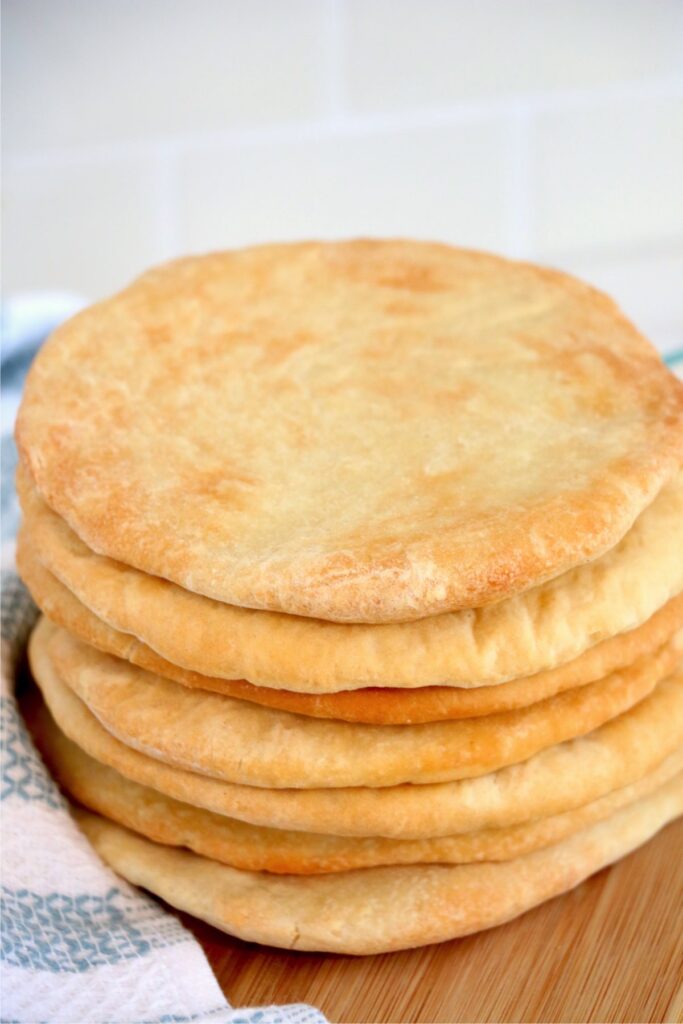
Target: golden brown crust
[256,746]
[376,910]
[552,782]
[360,431]
[375,706]
[252,848]
[533,632]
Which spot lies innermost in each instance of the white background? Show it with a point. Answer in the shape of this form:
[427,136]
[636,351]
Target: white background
[135,130]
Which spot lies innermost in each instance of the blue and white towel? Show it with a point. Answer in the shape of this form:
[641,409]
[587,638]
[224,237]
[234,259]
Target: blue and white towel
[79,945]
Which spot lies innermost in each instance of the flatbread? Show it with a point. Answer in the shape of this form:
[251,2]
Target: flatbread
[376,706]
[358,431]
[535,632]
[242,742]
[377,910]
[552,782]
[251,848]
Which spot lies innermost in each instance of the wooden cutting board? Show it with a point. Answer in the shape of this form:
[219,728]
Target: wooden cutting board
[610,951]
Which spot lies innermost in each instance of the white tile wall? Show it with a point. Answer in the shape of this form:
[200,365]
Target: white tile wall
[611,172]
[93,71]
[86,227]
[436,52]
[445,181]
[553,129]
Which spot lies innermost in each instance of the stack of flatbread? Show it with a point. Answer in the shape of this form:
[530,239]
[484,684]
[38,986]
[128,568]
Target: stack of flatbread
[361,567]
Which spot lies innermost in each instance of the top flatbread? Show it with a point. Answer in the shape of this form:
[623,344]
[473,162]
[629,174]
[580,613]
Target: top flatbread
[362,431]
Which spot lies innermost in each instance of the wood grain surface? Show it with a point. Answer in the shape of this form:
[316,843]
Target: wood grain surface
[610,951]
